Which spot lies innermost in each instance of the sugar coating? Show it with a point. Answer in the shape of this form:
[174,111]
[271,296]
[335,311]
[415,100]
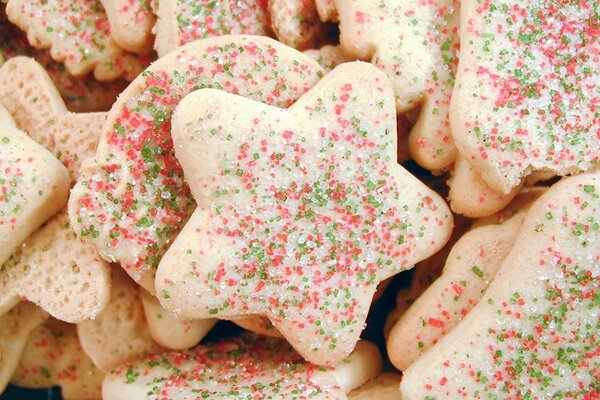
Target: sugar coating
[526,93]
[15,328]
[77,32]
[34,185]
[169,330]
[248,366]
[296,23]
[58,272]
[80,94]
[53,357]
[131,23]
[416,44]
[120,333]
[469,269]
[131,199]
[184,21]
[301,212]
[535,332]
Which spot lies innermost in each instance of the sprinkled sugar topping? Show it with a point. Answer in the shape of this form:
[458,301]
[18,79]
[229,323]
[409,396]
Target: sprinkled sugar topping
[248,367]
[81,94]
[527,91]
[203,19]
[536,332]
[415,43]
[301,212]
[131,200]
[78,34]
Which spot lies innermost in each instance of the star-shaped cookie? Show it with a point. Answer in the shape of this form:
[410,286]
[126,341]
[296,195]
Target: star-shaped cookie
[301,212]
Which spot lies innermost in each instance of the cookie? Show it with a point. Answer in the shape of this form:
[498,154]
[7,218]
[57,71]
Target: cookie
[56,271]
[15,328]
[131,24]
[327,10]
[296,23]
[526,93]
[78,34]
[119,333]
[329,56]
[80,94]
[385,386]
[169,330]
[34,185]
[471,196]
[260,325]
[131,200]
[404,298]
[29,95]
[53,357]
[251,366]
[470,267]
[184,21]
[534,332]
[300,211]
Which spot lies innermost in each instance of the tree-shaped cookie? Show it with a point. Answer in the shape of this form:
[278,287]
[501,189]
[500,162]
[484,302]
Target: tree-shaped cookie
[415,43]
[77,32]
[301,212]
[245,367]
[131,200]
[183,21]
[526,94]
[535,332]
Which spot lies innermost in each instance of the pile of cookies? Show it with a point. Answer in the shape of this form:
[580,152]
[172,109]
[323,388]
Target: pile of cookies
[168,164]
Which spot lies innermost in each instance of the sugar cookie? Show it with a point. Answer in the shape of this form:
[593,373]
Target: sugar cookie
[15,328]
[384,387]
[34,185]
[131,23]
[53,357]
[296,23]
[80,94]
[57,272]
[77,32]
[249,365]
[534,333]
[131,200]
[260,202]
[526,93]
[169,330]
[37,108]
[120,333]
[184,21]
